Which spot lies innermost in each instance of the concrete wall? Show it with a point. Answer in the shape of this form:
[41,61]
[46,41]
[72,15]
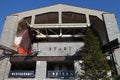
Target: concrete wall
[113,32]
[60,8]
[7,37]
[41,69]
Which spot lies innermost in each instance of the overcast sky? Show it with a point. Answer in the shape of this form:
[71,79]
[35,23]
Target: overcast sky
[8,7]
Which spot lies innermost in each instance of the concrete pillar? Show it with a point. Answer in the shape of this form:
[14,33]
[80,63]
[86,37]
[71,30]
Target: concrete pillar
[60,17]
[7,71]
[7,39]
[113,32]
[77,69]
[33,20]
[111,26]
[3,69]
[9,31]
[41,69]
[88,19]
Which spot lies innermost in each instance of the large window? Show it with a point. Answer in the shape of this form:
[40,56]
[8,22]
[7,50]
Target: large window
[28,19]
[64,70]
[72,17]
[51,17]
[22,70]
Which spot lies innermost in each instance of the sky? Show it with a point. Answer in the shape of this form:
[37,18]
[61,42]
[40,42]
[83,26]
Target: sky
[8,7]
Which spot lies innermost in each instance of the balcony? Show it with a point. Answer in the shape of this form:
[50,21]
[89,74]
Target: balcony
[61,74]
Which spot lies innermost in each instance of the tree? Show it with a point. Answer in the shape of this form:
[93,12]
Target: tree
[95,63]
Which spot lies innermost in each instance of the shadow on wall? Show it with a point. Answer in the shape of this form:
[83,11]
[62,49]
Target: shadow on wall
[76,56]
[98,26]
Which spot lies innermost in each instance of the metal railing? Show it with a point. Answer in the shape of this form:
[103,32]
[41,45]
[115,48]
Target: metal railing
[63,25]
[22,74]
[60,74]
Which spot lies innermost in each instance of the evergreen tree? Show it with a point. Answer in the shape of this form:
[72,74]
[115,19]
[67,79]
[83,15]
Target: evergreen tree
[95,63]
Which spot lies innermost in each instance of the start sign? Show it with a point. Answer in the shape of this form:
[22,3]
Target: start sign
[58,49]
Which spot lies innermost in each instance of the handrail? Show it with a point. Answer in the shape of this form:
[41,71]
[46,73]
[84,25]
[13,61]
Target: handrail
[61,74]
[22,73]
[65,25]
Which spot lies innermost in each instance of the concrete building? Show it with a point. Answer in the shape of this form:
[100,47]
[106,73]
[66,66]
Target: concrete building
[59,36]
